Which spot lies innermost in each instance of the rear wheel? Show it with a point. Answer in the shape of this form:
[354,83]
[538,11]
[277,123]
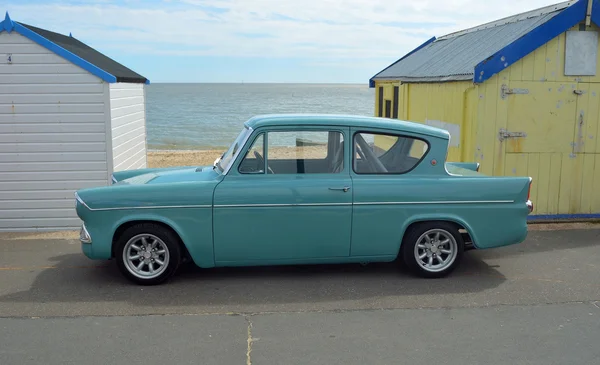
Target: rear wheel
[432,249]
[147,253]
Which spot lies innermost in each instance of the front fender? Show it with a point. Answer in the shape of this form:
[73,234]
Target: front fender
[193,226]
[195,234]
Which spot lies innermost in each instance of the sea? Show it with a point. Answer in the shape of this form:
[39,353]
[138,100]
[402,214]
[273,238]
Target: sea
[187,116]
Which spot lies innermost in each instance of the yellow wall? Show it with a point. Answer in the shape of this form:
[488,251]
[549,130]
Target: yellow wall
[445,102]
[441,102]
[561,149]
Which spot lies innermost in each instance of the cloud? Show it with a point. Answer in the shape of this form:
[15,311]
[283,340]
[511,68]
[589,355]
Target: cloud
[358,30]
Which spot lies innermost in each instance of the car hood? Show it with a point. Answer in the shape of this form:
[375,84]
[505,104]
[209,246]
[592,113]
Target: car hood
[168,175]
[148,188]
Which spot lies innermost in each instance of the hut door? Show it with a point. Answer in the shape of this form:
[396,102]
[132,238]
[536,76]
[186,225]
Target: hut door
[538,141]
[582,167]
[540,117]
[586,126]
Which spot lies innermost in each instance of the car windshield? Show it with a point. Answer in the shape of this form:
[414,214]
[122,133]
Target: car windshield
[227,158]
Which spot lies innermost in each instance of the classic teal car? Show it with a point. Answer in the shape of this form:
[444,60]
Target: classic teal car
[306,189]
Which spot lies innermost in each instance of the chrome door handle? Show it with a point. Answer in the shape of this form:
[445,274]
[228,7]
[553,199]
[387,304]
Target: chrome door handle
[344,189]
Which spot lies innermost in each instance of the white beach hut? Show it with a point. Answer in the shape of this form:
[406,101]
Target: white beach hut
[69,117]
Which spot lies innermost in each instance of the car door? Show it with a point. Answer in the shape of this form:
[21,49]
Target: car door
[287,198]
[384,180]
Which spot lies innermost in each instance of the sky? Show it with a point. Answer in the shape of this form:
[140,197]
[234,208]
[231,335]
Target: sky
[295,41]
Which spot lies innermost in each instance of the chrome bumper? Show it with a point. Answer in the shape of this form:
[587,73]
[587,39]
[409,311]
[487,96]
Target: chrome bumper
[84,235]
[530,206]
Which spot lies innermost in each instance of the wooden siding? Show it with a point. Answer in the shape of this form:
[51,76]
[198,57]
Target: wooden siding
[128,125]
[52,137]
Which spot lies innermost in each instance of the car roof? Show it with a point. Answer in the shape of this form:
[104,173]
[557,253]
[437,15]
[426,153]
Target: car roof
[345,120]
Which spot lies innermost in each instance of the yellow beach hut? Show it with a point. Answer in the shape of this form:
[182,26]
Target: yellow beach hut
[520,95]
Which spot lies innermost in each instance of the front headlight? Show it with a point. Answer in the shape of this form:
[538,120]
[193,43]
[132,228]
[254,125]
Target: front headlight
[114,181]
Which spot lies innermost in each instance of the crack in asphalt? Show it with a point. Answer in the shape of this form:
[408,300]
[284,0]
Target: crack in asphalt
[250,340]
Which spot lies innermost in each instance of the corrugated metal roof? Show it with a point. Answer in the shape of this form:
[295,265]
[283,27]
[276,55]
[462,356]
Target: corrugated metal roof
[454,56]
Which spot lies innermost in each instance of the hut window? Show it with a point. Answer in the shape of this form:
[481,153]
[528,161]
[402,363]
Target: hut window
[380,102]
[395,109]
[581,53]
[388,108]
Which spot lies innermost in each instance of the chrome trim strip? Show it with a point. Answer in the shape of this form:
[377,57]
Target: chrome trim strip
[142,207]
[439,202]
[113,179]
[81,201]
[297,204]
[280,205]
[154,207]
[364,203]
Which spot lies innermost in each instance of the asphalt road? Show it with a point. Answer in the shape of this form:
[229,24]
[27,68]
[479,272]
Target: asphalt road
[534,303]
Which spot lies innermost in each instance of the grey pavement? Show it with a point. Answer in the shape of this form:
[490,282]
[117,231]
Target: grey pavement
[533,303]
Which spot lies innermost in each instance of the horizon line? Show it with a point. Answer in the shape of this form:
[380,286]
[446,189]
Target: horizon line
[258,82]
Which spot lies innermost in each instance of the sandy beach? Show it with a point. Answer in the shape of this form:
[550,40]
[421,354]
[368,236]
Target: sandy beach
[182,158]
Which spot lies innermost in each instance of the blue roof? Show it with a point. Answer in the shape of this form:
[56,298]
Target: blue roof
[76,52]
[479,53]
[345,120]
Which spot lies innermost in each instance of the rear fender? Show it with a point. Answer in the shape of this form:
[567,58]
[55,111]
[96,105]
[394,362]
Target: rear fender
[441,217]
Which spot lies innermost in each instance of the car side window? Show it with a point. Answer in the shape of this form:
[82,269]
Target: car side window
[379,153]
[305,152]
[253,162]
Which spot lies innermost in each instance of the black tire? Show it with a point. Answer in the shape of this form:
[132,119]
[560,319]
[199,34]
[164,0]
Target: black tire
[167,240]
[416,233]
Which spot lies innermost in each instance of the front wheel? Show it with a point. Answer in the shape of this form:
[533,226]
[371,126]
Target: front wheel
[432,249]
[147,254]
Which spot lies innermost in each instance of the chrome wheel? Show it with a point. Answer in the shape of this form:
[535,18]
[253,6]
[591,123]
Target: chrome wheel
[436,250]
[146,256]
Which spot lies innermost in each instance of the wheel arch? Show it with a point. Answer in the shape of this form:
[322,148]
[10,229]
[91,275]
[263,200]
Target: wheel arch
[468,235]
[124,224]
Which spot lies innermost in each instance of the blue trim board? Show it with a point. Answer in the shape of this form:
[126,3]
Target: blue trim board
[6,24]
[596,14]
[430,40]
[531,41]
[563,216]
[64,53]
